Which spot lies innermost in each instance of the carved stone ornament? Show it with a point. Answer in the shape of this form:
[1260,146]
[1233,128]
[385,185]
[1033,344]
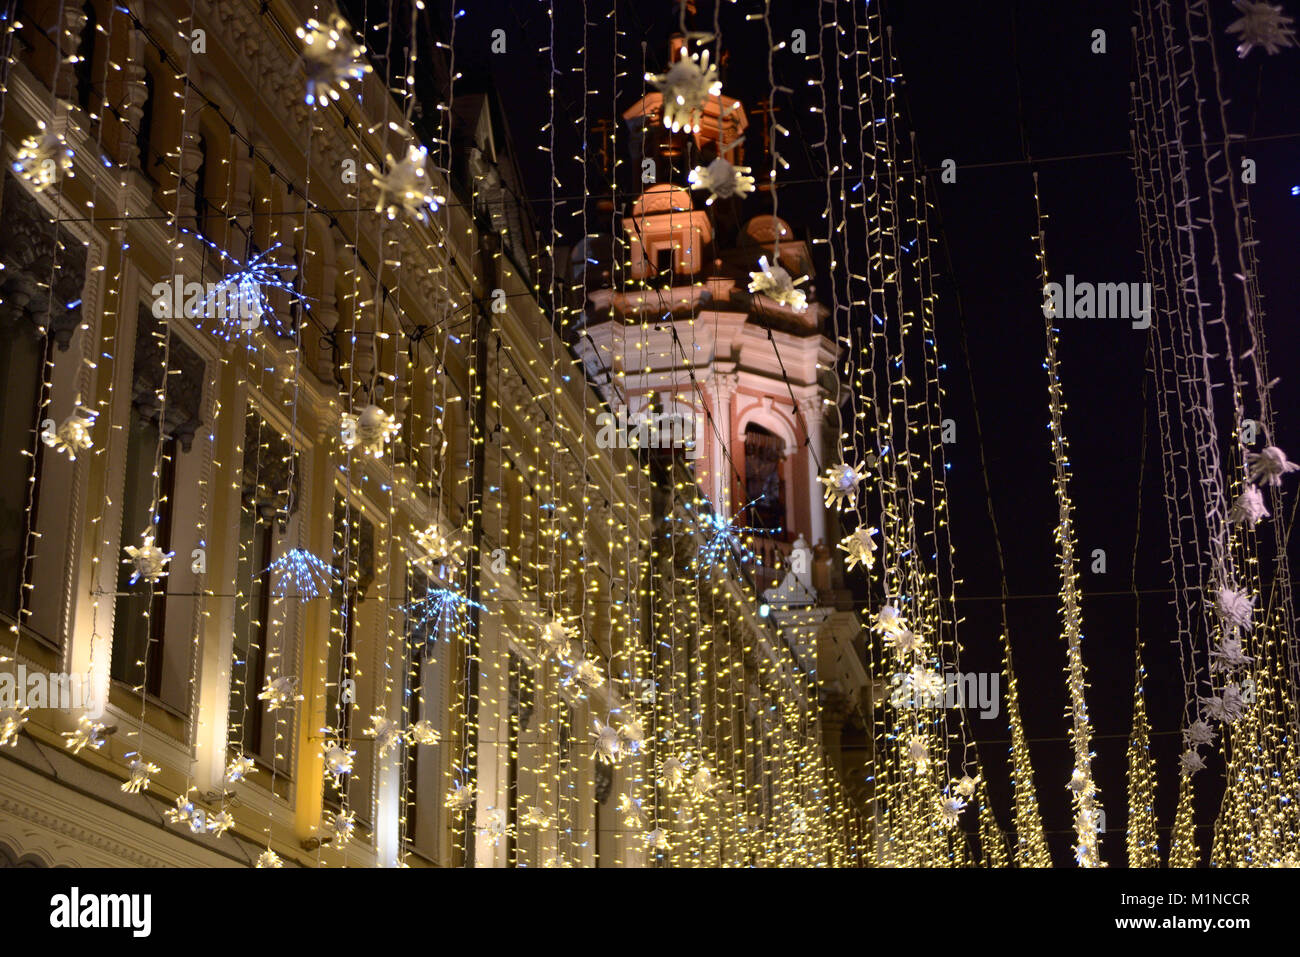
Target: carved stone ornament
[32,258]
[187,373]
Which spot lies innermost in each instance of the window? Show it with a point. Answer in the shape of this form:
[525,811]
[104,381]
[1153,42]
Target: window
[144,134]
[353,559]
[664,260]
[140,615]
[764,453]
[426,701]
[22,358]
[83,70]
[202,205]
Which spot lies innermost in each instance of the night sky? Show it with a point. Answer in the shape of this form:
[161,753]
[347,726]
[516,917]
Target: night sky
[1005,89]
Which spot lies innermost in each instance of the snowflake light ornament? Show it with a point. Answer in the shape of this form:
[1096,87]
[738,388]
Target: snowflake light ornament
[338,759]
[535,819]
[722,180]
[495,827]
[406,186]
[724,538]
[142,772]
[89,733]
[342,825]
[1229,655]
[388,734]
[966,785]
[859,548]
[889,622]
[220,823]
[438,550]
[149,560]
[950,809]
[686,87]
[279,692]
[1198,733]
[1235,607]
[1190,762]
[187,813]
[43,158]
[1261,25]
[586,673]
[239,768]
[774,281]
[1248,508]
[1268,466]
[73,434]
[11,723]
[672,773]
[241,299]
[632,811]
[443,608]
[842,483]
[631,736]
[918,752]
[269,858]
[557,637]
[925,687]
[1228,707]
[424,733]
[370,430]
[702,784]
[331,58]
[300,573]
[608,748]
[657,840]
[459,798]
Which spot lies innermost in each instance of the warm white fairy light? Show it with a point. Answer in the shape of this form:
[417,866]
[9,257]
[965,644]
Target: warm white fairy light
[331,58]
[43,159]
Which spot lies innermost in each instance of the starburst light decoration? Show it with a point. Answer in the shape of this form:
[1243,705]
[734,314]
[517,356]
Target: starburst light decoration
[443,608]
[141,772]
[438,550]
[73,433]
[1249,508]
[722,180]
[370,430]
[388,734]
[43,158]
[187,813]
[331,58]
[149,561]
[841,482]
[268,858]
[859,548]
[773,281]
[241,299]
[279,692]
[239,768]
[1268,466]
[424,733]
[459,798]
[405,186]
[1261,25]
[299,573]
[89,733]
[686,87]
[11,723]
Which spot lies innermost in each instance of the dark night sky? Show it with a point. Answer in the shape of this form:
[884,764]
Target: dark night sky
[986,82]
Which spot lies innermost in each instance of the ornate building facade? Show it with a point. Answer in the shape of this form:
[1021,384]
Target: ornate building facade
[415,611]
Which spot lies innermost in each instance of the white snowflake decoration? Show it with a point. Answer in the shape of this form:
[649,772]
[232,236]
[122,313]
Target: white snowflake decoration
[557,637]
[588,674]
[1190,762]
[608,748]
[859,548]
[43,158]
[950,809]
[657,840]
[722,179]
[1261,25]
[774,282]
[966,785]
[73,434]
[459,798]
[438,549]
[89,734]
[1080,782]
[496,826]
[220,823]
[918,752]
[702,784]
[11,723]
[388,734]
[406,186]
[186,812]
[424,733]
[1235,607]
[279,692]
[149,560]
[842,483]
[1268,466]
[686,87]
[889,622]
[672,773]
[533,818]
[1229,655]
[338,759]
[342,825]
[631,736]
[1229,707]
[269,858]
[925,687]
[1248,508]
[370,430]
[1198,733]
[632,811]
[142,772]
[239,768]
[332,59]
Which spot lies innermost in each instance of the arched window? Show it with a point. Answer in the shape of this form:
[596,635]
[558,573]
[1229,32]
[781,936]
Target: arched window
[764,452]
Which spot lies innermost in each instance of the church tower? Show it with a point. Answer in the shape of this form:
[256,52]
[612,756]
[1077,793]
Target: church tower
[712,319]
